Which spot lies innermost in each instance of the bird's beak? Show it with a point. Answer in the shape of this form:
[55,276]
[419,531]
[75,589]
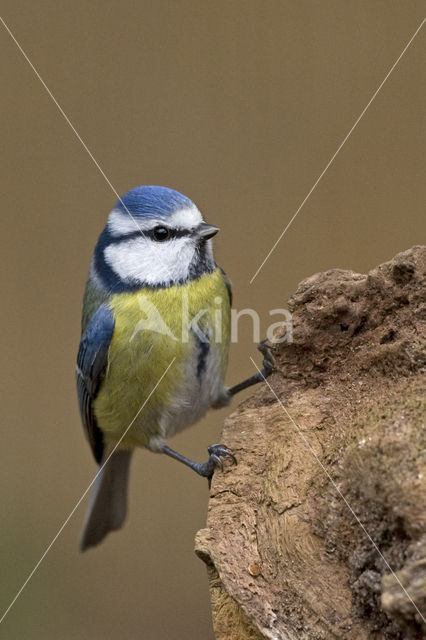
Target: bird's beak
[206,231]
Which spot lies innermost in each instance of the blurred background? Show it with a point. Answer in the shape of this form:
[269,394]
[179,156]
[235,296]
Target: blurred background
[239,105]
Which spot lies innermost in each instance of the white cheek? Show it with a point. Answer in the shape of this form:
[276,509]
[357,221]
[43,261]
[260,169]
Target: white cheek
[143,260]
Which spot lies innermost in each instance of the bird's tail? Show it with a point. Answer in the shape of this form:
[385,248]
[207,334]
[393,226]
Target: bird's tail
[108,502]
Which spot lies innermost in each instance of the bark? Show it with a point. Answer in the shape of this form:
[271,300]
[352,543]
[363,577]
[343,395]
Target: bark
[285,554]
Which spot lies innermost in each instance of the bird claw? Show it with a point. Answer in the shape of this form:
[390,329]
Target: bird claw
[216,461]
[216,453]
[268,359]
[218,450]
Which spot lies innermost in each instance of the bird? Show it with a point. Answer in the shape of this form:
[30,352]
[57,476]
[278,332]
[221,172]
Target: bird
[154,343]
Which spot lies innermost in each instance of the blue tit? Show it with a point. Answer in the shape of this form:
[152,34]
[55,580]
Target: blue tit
[156,308]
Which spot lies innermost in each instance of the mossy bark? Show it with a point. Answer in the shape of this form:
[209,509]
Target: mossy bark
[320,531]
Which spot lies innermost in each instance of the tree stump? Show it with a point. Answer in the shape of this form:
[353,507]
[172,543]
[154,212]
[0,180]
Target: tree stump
[319,532]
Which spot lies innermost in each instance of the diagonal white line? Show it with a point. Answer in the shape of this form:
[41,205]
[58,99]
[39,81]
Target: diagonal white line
[80,139]
[81,499]
[308,444]
[338,150]
[66,118]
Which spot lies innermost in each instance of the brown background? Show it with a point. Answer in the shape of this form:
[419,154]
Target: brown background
[240,105]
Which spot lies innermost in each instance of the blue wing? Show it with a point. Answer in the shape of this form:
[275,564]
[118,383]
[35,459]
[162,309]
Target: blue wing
[92,361]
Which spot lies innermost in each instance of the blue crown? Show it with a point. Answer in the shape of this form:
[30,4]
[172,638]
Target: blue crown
[153,201]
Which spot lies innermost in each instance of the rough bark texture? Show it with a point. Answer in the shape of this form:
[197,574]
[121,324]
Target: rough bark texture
[286,556]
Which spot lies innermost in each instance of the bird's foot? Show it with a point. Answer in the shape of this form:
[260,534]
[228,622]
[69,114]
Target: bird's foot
[217,452]
[205,469]
[268,368]
[268,358]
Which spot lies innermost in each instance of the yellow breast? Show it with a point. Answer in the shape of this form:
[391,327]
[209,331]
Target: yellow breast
[153,329]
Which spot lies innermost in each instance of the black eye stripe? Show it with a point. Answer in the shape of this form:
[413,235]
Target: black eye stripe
[173,233]
[149,233]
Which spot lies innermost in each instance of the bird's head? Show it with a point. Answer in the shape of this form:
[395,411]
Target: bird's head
[154,237]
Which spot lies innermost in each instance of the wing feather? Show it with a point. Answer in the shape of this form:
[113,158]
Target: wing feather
[92,362]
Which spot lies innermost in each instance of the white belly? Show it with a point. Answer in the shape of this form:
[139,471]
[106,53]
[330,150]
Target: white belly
[202,389]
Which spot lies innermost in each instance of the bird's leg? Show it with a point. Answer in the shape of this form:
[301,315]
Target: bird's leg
[268,368]
[205,469]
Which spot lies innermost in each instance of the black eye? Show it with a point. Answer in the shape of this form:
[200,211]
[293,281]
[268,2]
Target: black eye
[161,233]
